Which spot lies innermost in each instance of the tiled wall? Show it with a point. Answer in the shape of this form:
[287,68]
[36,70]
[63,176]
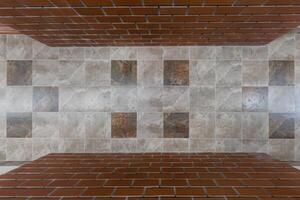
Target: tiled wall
[145,99]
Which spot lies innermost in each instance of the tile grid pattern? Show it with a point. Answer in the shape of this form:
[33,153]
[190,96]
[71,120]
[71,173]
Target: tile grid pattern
[229,110]
[217,176]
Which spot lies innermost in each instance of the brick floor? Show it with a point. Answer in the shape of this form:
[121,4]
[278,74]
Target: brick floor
[211,176]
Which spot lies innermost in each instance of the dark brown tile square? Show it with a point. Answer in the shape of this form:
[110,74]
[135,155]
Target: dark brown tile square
[255,99]
[123,72]
[176,72]
[281,125]
[19,72]
[176,125]
[123,125]
[45,99]
[19,125]
[281,73]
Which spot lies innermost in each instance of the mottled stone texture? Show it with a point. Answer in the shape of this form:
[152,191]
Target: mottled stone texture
[123,72]
[176,125]
[149,99]
[123,125]
[176,72]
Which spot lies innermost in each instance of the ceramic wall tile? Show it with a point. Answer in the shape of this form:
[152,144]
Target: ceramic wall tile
[202,99]
[97,146]
[18,47]
[2,149]
[19,99]
[43,146]
[176,72]
[42,51]
[97,125]
[150,73]
[45,99]
[124,99]
[150,125]
[175,145]
[71,53]
[123,125]
[97,73]
[45,125]
[123,72]
[202,73]
[149,145]
[176,125]
[255,53]
[72,99]
[18,149]
[282,149]
[281,73]
[97,53]
[228,145]
[3,68]
[282,48]
[2,125]
[229,99]
[176,99]
[228,73]
[124,145]
[71,125]
[281,99]
[45,72]
[202,145]
[203,52]
[97,99]
[255,73]
[70,145]
[3,40]
[149,53]
[71,73]
[255,125]
[255,99]
[202,125]
[175,53]
[19,125]
[19,72]
[150,99]
[228,125]
[228,53]
[253,145]
[123,53]
[281,125]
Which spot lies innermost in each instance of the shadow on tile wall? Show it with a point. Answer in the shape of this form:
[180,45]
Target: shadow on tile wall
[149,99]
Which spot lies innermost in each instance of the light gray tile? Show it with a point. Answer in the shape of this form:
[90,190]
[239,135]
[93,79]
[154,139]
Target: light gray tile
[175,53]
[149,145]
[71,73]
[97,73]
[149,53]
[202,99]
[19,99]
[228,73]
[97,53]
[43,146]
[228,125]
[150,125]
[150,73]
[45,125]
[202,145]
[42,51]
[297,72]
[282,48]
[282,149]
[176,99]
[124,145]
[255,99]
[3,39]
[202,73]
[19,149]
[281,99]
[255,53]
[45,72]
[150,99]
[202,125]
[45,99]
[97,146]
[71,53]
[203,52]
[97,125]
[72,99]
[123,53]
[3,74]
[228,53]
[2,149]
[71,125]
[253,145]
[229,99]
[175,145]
[228,145]
[297,98]
[3,100]
[71,146]
[97,99]
[124,99]
[255,126]
[19,125]
[2,125]
[18,47]
[255,73]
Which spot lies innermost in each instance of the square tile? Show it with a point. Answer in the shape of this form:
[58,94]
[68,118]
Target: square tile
[19,99]
[150,73]
[229,99]
[19,125]
[45,99]
[281,73]
[202,125]
[44,146]
[202,99]
[202,145]
[124,145]
[19,149]
[282,149]
[176,125]
[42,51]
[176,72]
[71,125]
[45,72]
[255,73]
[228,53]
[176,99]
[228,145]
[97,125]
[283,48]
[255,99]
[18,47]
[281,99]
[97,53]
[150,125]
[255,53]
[72,99]
[19,72]
[97,73]
[228,73]
[281,126]
[97,146]
[255,125]
[175,53]
[203,52]
[202,72]
[71,73]
[228,125]
[97,99]
[124,99]
[123,72]
[123,125]
[45,125]
[71,53]
[150,99]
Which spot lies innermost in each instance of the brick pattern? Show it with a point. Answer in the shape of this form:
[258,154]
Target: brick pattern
[151,22]
[218,176]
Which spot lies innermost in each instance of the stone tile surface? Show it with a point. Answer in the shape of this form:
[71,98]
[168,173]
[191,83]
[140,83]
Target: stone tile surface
[123,72]
[45,99]
[281,73]
[255,73]
[19,72]
[123,125]
[176,72]
[150,73]
[97,73]
[176,125]
[255,125]
[228,125]
[19,125]
[281,125]
[228,73]
[229,99]
[176,99]
[45,72]
[202,73]
[18,47]
[202,125]
[281,99]
[202,99]
[150,125]
[255,99]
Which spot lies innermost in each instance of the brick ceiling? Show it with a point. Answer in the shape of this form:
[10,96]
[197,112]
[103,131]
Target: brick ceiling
[151,22]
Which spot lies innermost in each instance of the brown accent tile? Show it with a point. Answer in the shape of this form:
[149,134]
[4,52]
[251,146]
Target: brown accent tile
[123,125]
[176,125]
[123,72]
[176,72]
[19,72]
[19,125]
[281,73]
[281,125]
